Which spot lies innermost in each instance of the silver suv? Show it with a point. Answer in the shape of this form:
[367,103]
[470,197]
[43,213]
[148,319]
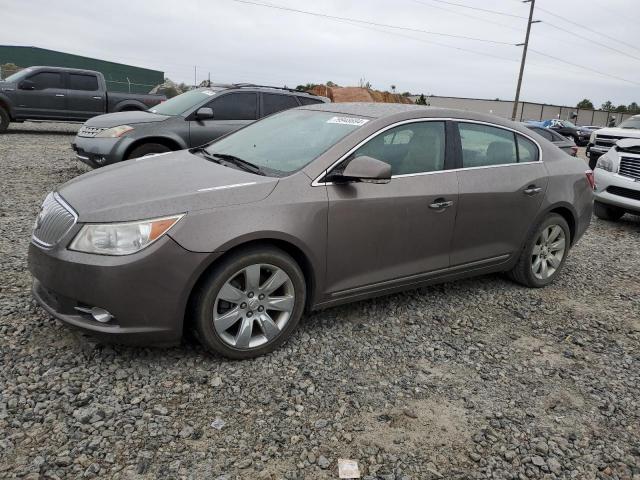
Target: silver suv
[617,176]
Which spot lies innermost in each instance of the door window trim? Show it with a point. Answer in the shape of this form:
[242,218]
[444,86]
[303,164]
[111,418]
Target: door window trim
[317,182]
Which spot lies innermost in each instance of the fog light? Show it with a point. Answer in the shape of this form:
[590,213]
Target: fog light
[98,314]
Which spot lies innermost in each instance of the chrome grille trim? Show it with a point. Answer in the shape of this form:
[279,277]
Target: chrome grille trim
[90,132]
[630,167]
[55,219]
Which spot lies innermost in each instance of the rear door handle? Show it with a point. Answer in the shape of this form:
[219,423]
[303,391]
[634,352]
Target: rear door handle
[440,204]
[532,190]
[59,95]
[97,98]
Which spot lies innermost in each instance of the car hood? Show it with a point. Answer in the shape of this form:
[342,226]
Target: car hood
[124,118]
[165,184]
[620,132]
[7,86]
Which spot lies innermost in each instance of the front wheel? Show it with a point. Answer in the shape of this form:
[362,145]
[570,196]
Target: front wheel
[148,149]
[250,304]
[607,212]
[4,120]
[544,253]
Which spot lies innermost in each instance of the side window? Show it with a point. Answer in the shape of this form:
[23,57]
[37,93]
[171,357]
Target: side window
[235,106]
[411,148]
[83,82]
[309,101]
[527,150]
[483,145]
[273,103]
[44,80]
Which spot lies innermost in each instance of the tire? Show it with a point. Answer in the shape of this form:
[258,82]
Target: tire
[4,120]
[536,249]
[243,326]
[592,162]
[148,149]
[607,212]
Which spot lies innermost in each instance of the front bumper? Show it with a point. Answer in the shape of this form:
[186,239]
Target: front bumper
[606,194]
[597,150]
[147,292]
[98,152]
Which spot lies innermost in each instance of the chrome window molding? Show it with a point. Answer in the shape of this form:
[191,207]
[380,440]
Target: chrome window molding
[319,183]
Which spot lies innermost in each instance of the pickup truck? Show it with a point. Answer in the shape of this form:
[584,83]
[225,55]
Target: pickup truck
[63,94]
[602,140]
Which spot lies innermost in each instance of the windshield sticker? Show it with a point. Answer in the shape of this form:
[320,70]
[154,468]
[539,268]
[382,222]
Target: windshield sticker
[348,121]
[208,92]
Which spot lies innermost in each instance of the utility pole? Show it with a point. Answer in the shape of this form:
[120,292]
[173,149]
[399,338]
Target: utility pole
[195,76]
[525,46]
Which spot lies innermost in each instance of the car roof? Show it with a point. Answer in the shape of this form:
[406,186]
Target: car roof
[261,88]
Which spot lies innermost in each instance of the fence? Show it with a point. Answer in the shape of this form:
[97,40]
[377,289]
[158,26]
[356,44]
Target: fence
[529,110]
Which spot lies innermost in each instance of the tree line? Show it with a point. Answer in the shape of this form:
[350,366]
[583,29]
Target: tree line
[608,106]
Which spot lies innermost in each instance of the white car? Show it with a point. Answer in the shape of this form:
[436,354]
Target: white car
[605,138]
[617,178]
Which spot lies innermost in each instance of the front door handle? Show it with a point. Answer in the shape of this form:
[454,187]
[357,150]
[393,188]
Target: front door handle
[440,204]
[532,190]
[97,98]
[59,95]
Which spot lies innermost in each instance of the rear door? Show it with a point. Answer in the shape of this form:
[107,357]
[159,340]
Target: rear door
[231,111]
[388,232]
[47,99]
[502,184]
[84,97]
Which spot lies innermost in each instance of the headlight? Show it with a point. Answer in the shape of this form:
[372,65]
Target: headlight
[115,132]
[605,163]
[121,238]
[592,138]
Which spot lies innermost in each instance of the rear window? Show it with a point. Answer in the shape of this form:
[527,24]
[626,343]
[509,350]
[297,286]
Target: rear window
[273,103]
[83,82]
[309,101]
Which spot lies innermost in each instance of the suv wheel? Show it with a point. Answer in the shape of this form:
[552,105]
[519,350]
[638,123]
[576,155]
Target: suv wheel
[544,253]
[4,120]
[250,304]
[148,149]
[607,212]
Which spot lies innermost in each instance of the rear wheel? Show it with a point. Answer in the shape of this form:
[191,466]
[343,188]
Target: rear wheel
[607,212]
[544,253]
[148,149]
[4,120]
[250,304]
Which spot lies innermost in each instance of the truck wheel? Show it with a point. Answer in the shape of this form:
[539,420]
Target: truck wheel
[593,160]
[4,120]
[607,212]
[148,149]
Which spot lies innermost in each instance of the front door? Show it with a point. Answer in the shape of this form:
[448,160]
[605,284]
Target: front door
[382,232]
[46,97]
[231,112]
[502,185]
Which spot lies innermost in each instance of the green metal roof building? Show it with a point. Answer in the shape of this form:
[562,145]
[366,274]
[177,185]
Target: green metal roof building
[119,77]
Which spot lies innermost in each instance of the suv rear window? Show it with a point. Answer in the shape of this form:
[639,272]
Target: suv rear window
[235,106]
[273,103]
[83,82]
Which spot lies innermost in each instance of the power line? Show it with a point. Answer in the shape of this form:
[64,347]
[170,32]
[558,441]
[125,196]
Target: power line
[466,15]
[366,22]
[495,12]
[590,29]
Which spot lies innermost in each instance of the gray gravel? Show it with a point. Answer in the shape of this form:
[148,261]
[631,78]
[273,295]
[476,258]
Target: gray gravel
[468,380]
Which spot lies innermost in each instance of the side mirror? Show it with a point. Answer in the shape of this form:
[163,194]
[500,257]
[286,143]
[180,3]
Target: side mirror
[367,169]
[26,85]
[204,113]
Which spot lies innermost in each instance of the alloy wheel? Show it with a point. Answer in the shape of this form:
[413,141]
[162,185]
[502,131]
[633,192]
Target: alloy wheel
[253,306]
[548,252]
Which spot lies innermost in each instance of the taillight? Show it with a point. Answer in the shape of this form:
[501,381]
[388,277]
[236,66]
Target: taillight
[590,179]
[574,151]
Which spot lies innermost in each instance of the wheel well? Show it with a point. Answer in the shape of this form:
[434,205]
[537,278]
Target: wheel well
[570,219]
[5,107]
[167,142]
[295,252]
[130,108]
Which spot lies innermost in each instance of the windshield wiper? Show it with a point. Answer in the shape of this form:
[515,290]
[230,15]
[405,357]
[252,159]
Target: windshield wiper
[206,154]
[239,162]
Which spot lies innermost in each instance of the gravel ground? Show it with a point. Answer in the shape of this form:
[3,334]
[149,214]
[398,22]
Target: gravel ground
[468,380]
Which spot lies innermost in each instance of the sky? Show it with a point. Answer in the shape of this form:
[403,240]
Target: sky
[238,42]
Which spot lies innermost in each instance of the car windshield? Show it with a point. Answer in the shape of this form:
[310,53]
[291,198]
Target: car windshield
[18,75]
[568,124]
[181,103]
[287,141]
[631,123]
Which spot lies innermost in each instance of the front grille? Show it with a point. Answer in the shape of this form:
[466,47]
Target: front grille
[89,132]
[624,192]
[630,167]
[54,220]
[606,140]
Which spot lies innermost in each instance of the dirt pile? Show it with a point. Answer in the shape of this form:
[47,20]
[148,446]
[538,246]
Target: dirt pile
[357,94]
